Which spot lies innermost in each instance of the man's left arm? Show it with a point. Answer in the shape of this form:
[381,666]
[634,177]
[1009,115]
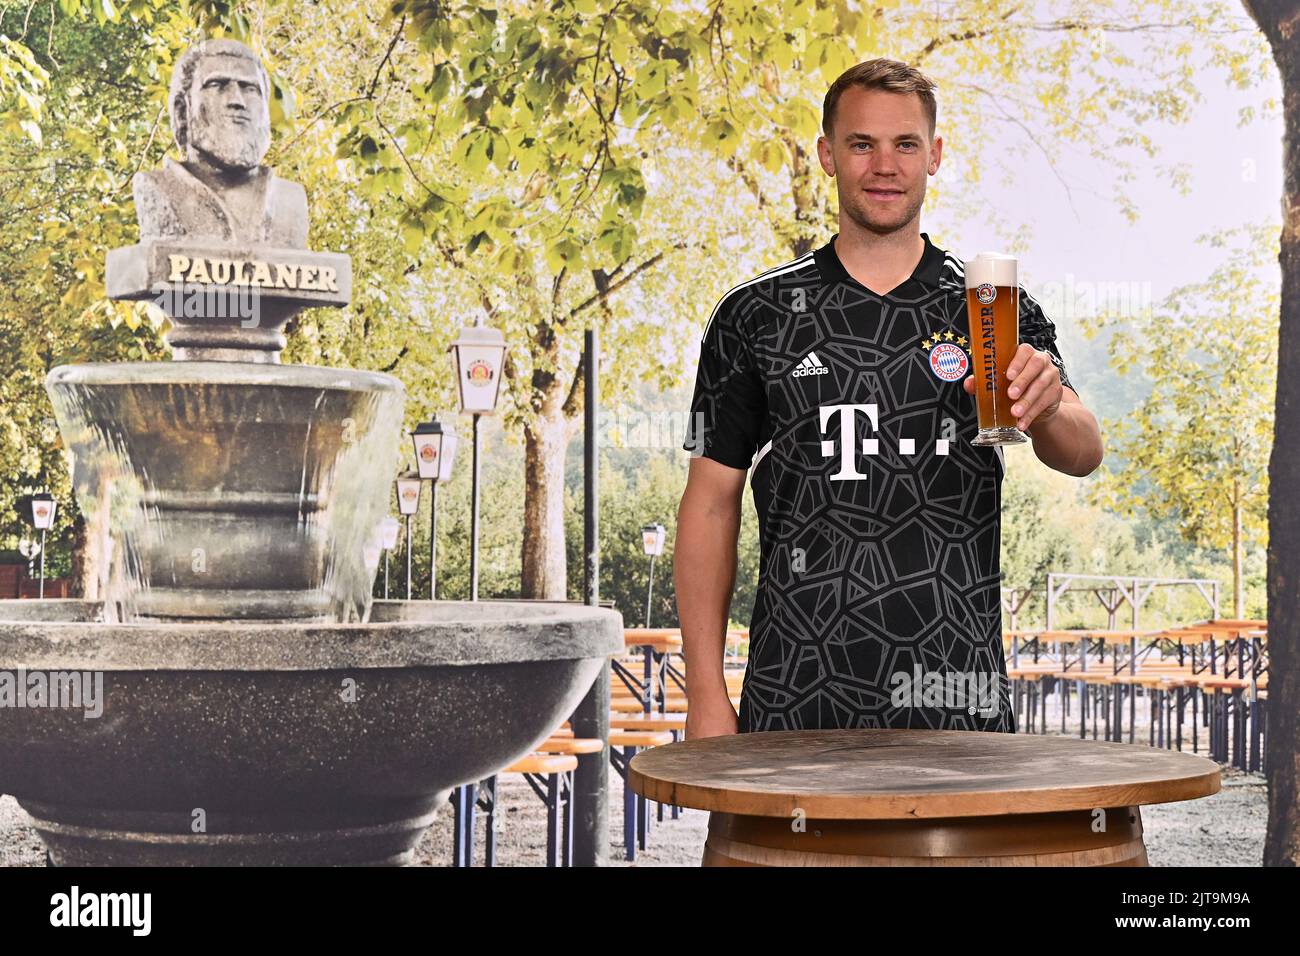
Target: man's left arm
[1066,435]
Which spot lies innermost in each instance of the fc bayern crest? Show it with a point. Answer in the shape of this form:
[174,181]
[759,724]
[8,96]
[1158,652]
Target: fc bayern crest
[985,292]
[948,361]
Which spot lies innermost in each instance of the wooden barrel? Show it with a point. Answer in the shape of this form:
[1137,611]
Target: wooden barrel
[1104,837]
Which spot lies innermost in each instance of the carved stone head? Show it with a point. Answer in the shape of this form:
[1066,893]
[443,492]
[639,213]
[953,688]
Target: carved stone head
[220,105]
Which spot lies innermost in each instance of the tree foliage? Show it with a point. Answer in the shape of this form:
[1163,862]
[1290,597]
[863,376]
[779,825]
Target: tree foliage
[1195,452]
[540,164]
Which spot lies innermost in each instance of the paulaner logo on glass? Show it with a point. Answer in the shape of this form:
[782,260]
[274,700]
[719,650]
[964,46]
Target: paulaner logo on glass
[56,690]
[972,691]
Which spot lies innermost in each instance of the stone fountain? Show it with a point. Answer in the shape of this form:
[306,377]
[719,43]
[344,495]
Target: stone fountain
[254,705]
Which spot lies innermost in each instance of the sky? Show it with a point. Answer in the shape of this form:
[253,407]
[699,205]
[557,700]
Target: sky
[1236,178]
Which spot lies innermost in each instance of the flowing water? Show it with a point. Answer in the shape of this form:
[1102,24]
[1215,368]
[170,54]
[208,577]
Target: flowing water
[219,490]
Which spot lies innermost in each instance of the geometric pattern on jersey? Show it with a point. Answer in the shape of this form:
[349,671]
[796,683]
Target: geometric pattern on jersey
[878,600]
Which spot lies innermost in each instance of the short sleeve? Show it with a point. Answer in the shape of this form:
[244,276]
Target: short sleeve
[1039,331]
[729,404]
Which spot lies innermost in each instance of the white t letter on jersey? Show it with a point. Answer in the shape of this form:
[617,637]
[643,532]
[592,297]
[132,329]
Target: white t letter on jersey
[848,438]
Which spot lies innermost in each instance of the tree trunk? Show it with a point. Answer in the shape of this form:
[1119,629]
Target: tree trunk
[91,551]
[1236,551]
[1280,21]
[545,441]
[807,221]
[557,419]
[85,582]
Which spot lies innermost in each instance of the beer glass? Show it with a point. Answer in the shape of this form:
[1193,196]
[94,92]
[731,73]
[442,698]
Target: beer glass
[993,308]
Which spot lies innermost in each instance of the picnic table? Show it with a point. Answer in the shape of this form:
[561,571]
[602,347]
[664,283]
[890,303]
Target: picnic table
[655,644]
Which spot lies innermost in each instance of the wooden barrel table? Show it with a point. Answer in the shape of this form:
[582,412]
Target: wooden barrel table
[919,797]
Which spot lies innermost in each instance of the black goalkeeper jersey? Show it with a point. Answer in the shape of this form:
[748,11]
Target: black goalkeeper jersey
[879,601]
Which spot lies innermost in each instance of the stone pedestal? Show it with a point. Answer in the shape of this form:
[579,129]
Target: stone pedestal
[227,302]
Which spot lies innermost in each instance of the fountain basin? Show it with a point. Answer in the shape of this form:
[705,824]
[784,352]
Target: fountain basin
[218,490]
[282,742]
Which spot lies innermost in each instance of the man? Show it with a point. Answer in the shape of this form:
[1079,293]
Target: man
[878,602]
[221,122]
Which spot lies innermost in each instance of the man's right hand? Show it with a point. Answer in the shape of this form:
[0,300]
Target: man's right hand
[711,720]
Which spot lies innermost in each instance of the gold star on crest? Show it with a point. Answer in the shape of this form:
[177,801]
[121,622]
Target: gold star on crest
[948,336]
[961,340]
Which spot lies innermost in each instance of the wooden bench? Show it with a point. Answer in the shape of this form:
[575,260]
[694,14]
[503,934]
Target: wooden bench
[544,763]
[630,705]
[571,745]
[1027,679]
[623,746]
[673,705]
[639,739]
[1224,699]
[648,722]
[550,776]
[675,725]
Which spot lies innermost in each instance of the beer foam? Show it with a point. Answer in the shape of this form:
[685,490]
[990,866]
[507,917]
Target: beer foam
[993,268]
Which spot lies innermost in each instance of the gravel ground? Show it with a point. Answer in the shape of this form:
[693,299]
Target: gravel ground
[19,845]
[1226,829]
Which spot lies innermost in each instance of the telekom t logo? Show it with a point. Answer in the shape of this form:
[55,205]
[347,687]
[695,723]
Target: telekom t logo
[847,415]
[848,438]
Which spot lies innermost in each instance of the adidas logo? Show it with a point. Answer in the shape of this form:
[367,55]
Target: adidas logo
[811,365]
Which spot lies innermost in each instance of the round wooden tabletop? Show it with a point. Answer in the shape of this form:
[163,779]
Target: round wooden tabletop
[909,774]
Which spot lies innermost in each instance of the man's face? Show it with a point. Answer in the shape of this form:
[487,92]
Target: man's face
[228,118]
[880,153]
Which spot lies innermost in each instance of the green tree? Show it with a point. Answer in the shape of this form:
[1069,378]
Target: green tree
[527,142]
[78,121]
[1195,452]
[1277,20]
[552,165]
[1050,524]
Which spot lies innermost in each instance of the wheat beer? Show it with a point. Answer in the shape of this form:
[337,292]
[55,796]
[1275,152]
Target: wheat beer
[993,305]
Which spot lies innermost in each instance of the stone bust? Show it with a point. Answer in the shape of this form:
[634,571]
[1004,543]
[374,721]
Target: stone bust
[219,102]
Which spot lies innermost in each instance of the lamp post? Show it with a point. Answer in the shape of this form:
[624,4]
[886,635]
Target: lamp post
[652,539]
[29,549]
[43,508]
[591,717]
[477,355]
[408,502]
[435,451]
[388,531]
